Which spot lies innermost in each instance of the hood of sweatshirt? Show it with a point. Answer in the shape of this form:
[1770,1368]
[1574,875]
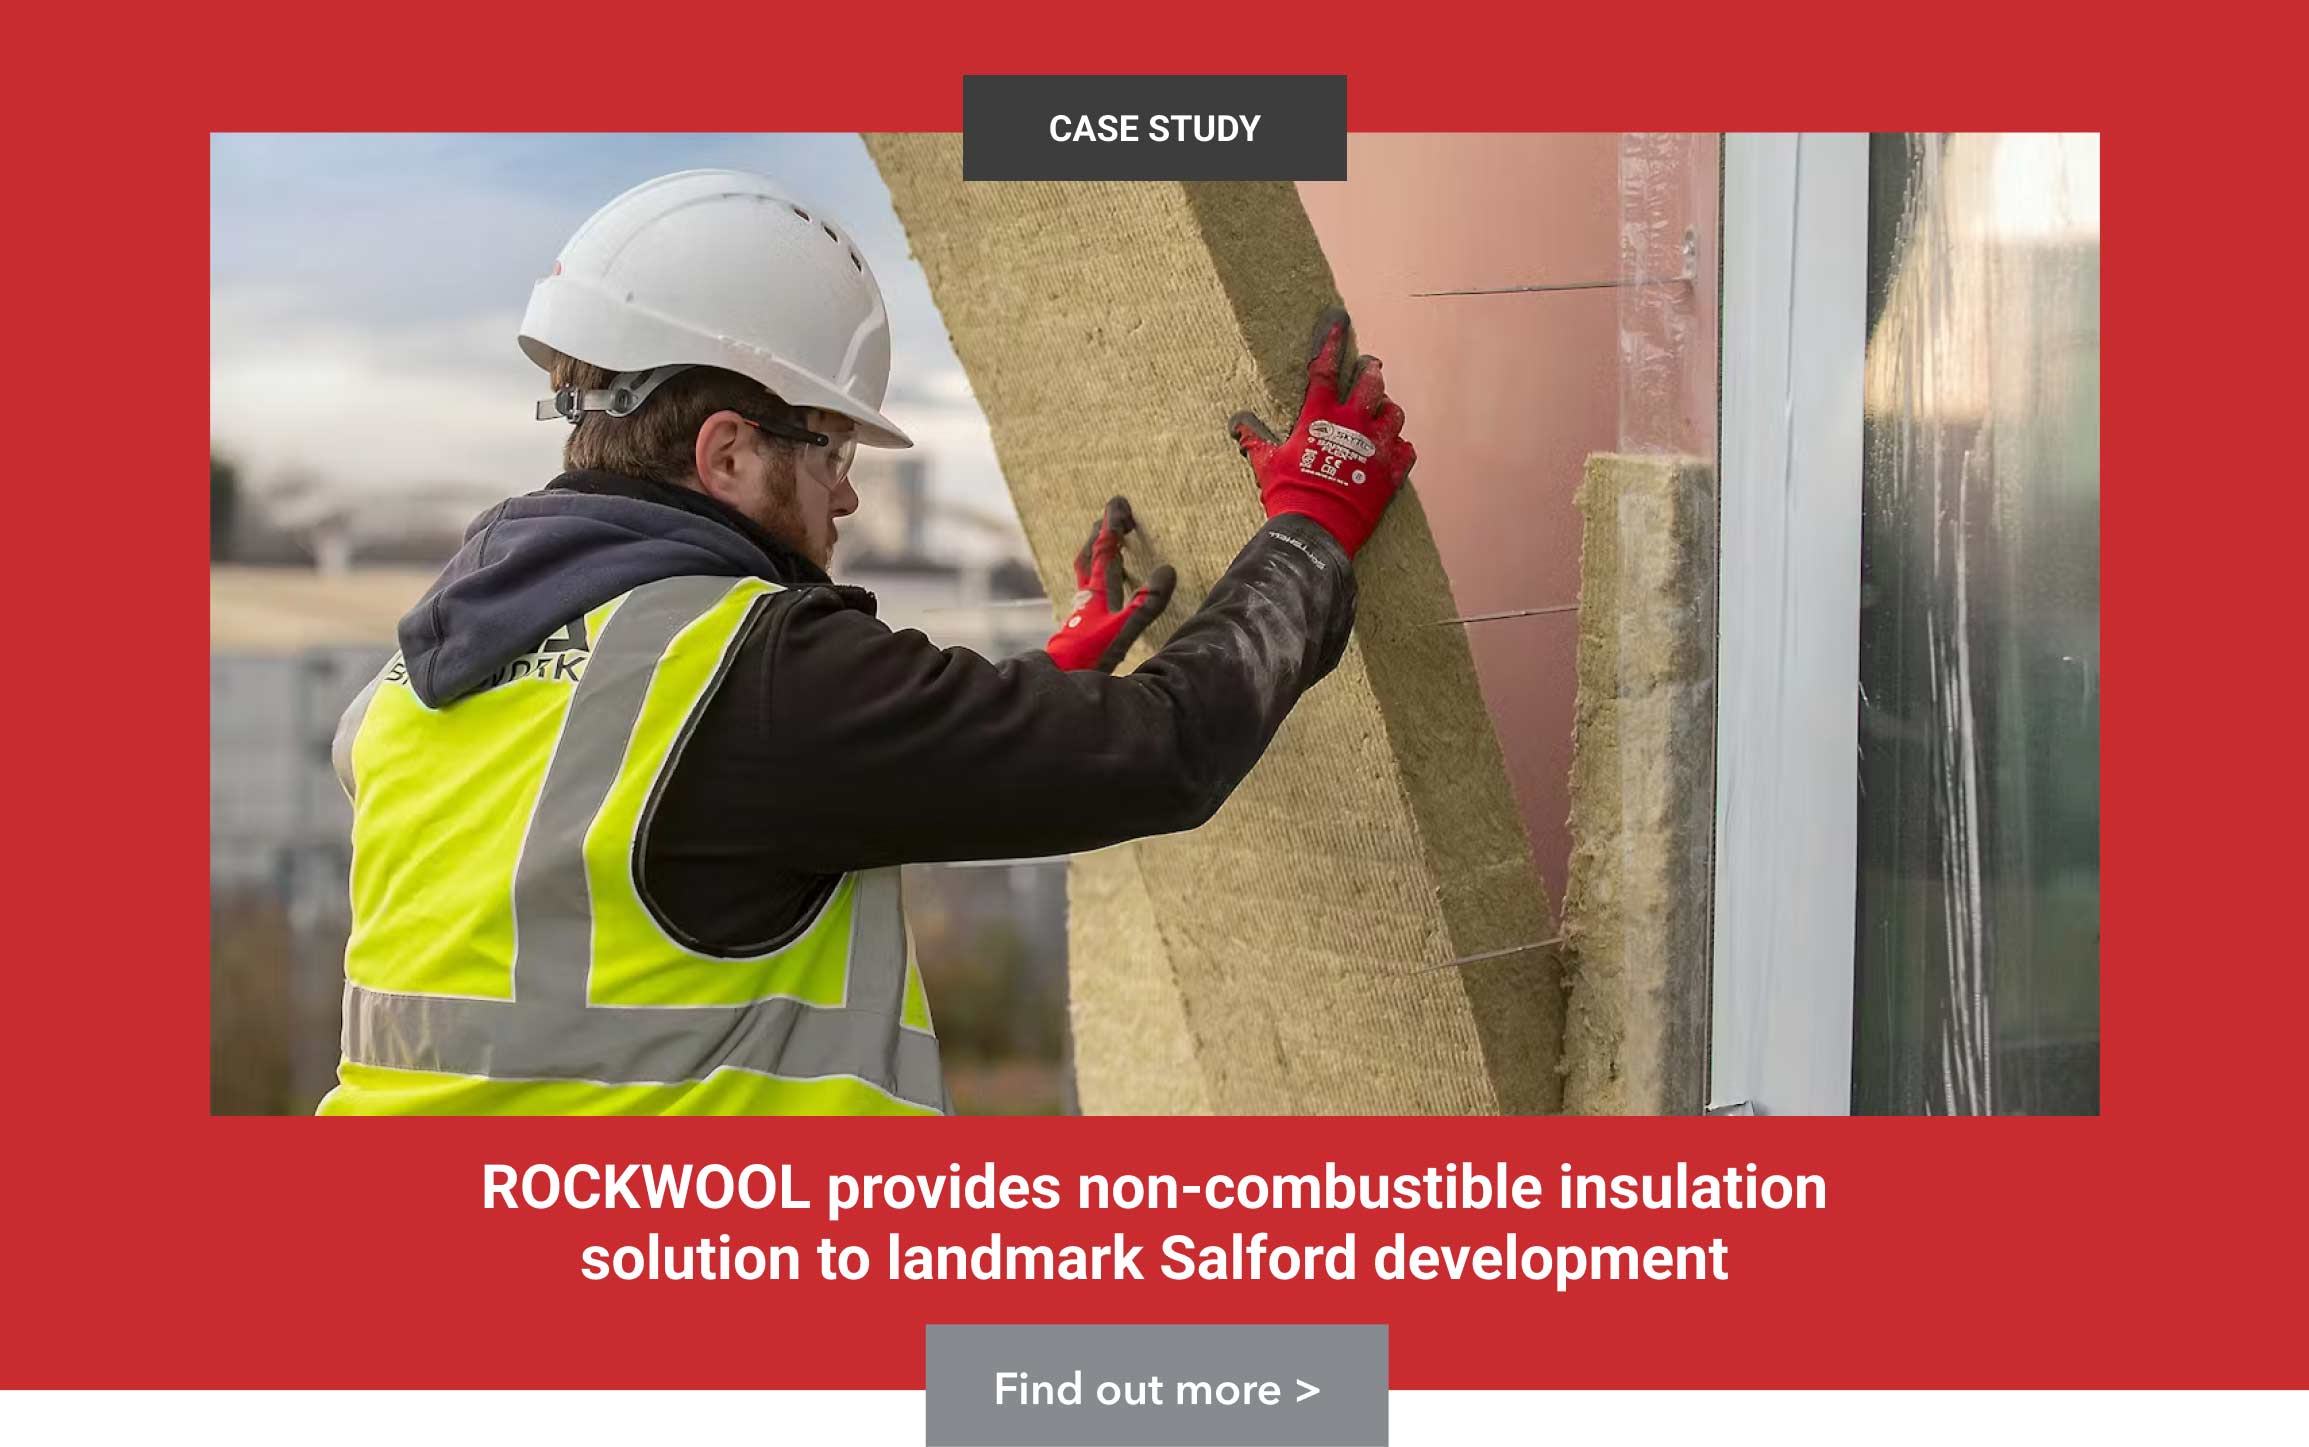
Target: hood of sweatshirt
[531,564]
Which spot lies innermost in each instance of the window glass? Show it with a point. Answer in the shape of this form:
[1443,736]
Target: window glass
[1978,951]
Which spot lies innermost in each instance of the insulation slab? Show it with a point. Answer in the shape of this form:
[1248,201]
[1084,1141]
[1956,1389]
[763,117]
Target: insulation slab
[1636,902]
[1315,933]
[1133,1051]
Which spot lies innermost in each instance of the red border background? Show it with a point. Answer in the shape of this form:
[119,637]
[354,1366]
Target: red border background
[151,1245]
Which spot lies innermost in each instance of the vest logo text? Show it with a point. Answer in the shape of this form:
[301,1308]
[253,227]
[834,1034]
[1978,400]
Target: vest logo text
[559,659]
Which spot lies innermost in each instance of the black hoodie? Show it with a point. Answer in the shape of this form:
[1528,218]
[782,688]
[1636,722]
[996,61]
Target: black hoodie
[834,744]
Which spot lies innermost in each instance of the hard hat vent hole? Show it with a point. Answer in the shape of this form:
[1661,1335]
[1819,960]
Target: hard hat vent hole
[798,211]
[830,233]
[854,261]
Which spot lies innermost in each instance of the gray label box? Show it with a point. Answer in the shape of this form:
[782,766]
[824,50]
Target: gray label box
[1040,1386]
[1301,133]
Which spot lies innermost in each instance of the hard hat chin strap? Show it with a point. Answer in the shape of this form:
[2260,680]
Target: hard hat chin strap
[621,398]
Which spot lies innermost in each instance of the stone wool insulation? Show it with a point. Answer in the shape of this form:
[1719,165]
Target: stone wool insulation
[1132,1049]
[1636,915]
[1294,953]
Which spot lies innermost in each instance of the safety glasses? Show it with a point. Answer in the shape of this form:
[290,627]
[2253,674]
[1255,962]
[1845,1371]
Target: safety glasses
[839,453]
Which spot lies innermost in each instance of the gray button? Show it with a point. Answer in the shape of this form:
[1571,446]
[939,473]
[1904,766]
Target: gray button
[1156,1386]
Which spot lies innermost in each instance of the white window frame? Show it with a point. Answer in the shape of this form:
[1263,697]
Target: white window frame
[1795,258]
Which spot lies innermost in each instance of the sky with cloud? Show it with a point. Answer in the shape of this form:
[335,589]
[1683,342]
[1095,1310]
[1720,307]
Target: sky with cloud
[364,294]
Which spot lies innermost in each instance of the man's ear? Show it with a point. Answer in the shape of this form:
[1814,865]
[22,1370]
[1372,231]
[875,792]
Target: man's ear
[723,442]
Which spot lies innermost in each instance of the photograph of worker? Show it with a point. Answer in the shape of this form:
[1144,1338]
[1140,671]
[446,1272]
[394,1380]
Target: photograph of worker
[762,624]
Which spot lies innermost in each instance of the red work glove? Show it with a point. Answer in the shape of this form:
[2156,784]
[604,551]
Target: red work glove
[1101,630]
[1342,464]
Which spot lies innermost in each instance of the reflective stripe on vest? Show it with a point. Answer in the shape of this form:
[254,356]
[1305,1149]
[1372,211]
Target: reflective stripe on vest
[503,959]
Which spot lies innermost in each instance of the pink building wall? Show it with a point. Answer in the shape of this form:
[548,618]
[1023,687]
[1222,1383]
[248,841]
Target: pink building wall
[1504,396]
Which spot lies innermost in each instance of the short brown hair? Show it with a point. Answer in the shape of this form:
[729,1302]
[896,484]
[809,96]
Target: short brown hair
[659,441]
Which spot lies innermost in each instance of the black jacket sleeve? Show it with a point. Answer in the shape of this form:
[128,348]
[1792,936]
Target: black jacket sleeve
[836,744]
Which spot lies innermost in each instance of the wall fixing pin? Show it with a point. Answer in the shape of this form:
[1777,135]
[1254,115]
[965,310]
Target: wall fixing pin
[1733,1107]
[1490,955]
[1690,273]
[1510,613]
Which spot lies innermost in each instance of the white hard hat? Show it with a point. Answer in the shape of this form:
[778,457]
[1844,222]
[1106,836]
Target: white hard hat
[721,269]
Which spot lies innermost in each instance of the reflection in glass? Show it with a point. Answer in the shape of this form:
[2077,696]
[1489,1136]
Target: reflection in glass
[1978,987]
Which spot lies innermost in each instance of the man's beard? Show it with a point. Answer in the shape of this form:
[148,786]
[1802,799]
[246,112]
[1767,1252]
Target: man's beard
[784,522]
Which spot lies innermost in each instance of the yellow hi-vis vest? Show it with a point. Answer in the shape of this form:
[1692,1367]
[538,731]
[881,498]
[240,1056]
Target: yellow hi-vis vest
[504,959]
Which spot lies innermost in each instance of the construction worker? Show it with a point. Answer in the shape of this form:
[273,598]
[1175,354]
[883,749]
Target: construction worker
[630,801]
